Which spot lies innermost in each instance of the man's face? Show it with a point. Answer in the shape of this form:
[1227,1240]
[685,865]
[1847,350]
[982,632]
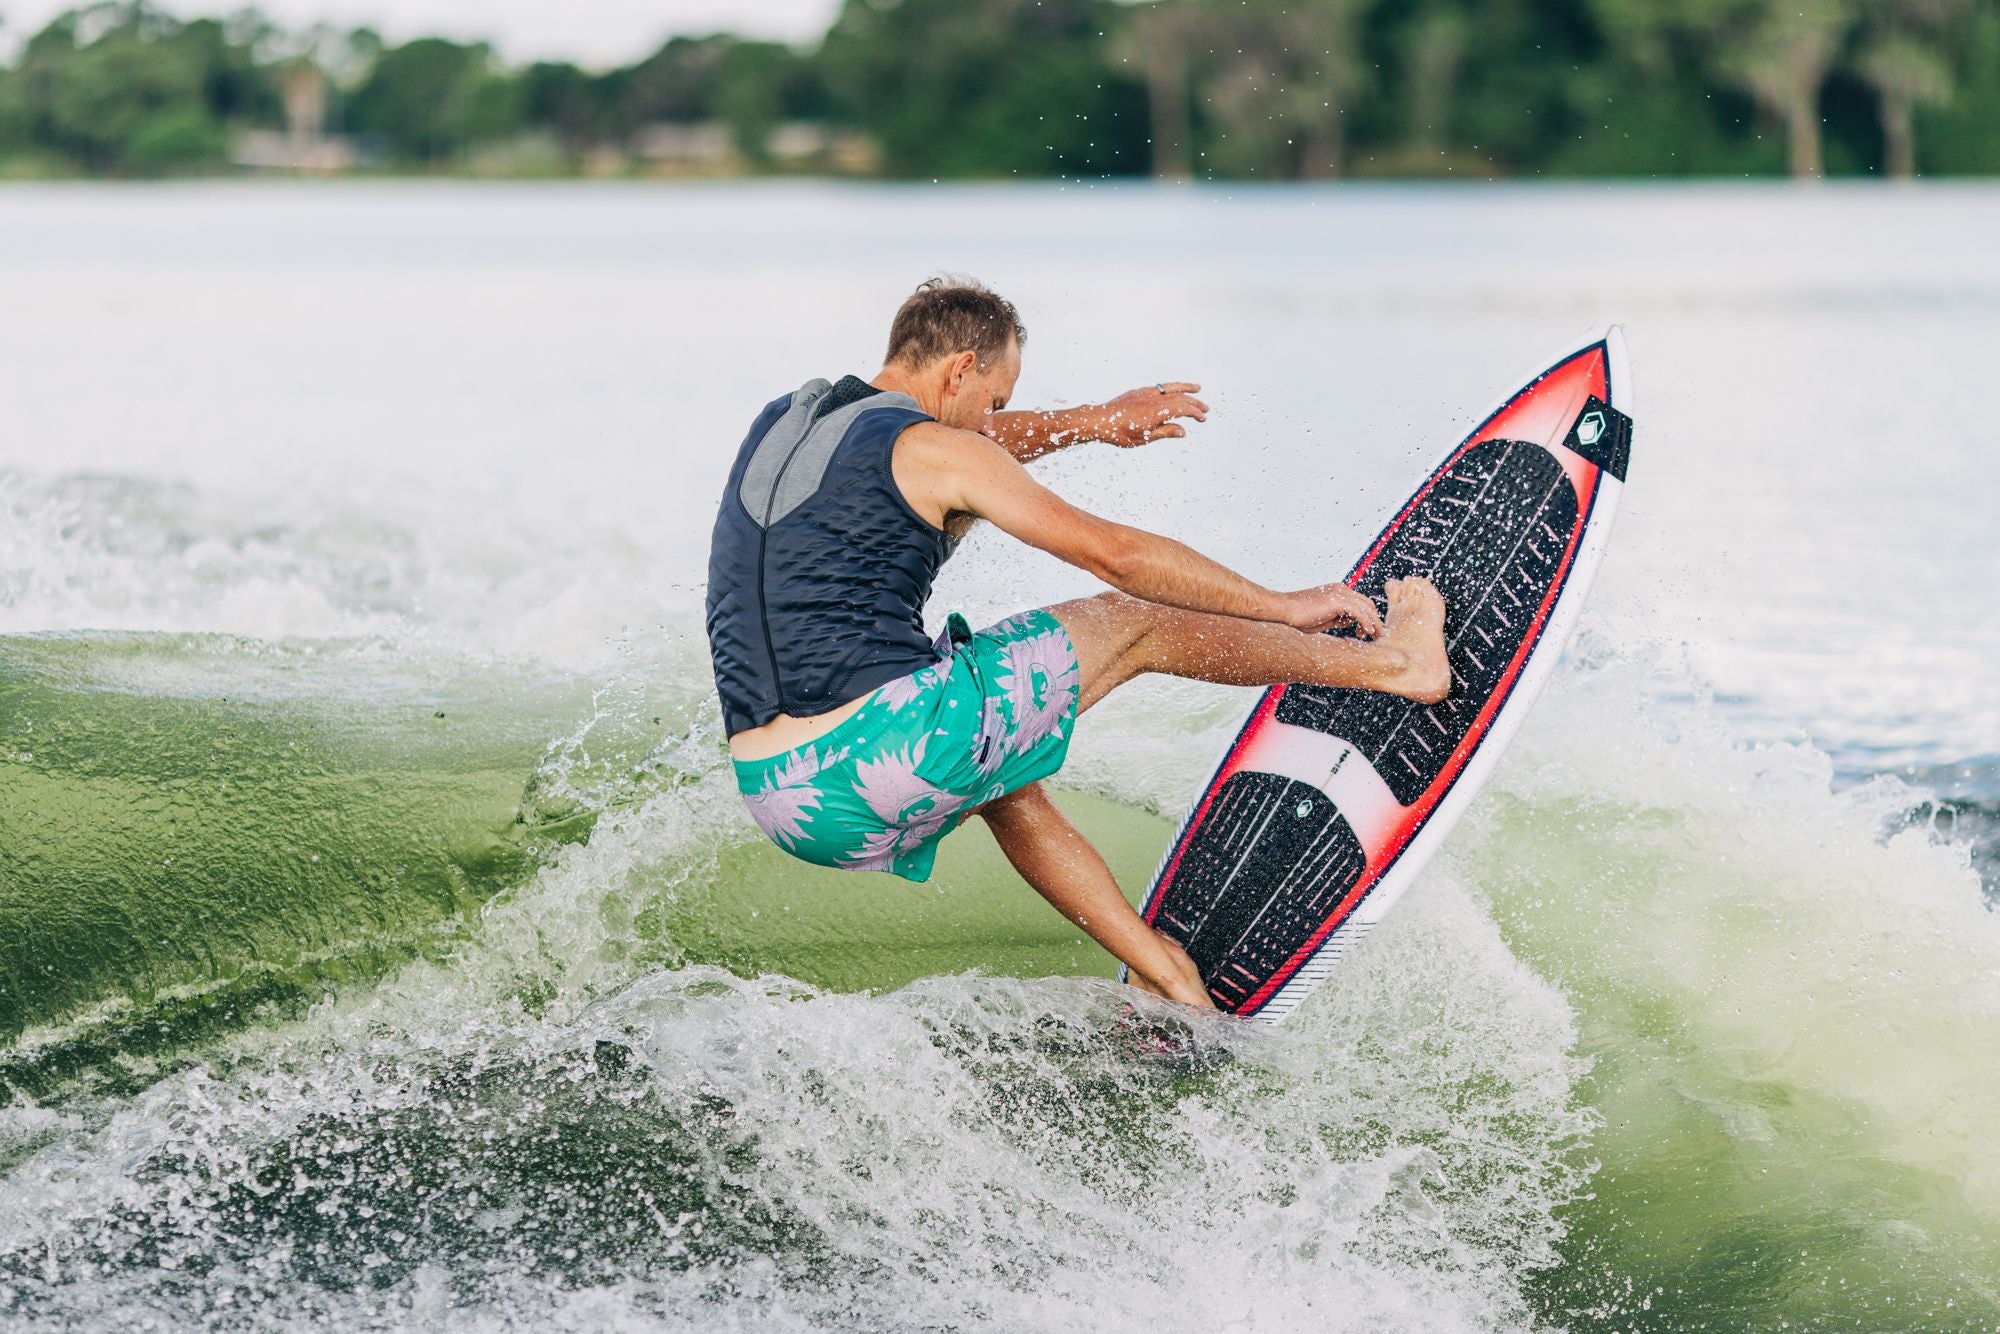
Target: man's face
[986,389]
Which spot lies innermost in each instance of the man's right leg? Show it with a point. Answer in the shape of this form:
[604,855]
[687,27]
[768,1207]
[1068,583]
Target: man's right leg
[1054,857]
[1118,637]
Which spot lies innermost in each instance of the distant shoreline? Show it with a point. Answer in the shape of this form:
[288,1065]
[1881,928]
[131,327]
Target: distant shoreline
[1060,90]
[361,182]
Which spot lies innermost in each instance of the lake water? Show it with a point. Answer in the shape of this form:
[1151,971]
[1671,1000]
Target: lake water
[381,943]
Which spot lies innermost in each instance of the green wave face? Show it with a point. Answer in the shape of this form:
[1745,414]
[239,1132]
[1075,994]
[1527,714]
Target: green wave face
[1790,1020]
[173,856]
[374,1016]
[545,1129]
[179,864]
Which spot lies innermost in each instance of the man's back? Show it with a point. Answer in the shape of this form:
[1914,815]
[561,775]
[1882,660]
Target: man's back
[819,570]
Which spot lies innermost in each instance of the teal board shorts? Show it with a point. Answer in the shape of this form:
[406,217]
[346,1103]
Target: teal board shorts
[880,790]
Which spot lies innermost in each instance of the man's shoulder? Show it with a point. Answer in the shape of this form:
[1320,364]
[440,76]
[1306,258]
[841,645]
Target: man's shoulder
[934,442]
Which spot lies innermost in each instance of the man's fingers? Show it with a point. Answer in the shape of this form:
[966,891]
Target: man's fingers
[1362,611]
[1140,416]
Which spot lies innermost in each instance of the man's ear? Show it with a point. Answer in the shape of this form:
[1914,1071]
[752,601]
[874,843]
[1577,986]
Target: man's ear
[962,365]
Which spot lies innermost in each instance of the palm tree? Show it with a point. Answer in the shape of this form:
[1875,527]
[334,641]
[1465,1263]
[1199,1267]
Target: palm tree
[1433,51]
[1901,62]
[1162,37]
[1294,67]
[1325,75]
[1786,53]
[1780,51]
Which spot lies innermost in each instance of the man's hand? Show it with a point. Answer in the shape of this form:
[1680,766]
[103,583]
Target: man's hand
[1140,416]
[1322,608]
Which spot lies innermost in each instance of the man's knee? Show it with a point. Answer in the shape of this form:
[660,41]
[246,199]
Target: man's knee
[1133,620]
[1126,609]
[1114,635]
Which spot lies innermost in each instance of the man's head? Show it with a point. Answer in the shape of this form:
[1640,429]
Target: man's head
[958,345]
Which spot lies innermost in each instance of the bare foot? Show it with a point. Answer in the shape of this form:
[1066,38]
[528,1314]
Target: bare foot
[1415,628]
[1183,982]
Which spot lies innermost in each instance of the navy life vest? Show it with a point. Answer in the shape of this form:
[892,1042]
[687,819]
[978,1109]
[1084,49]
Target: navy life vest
[819,569]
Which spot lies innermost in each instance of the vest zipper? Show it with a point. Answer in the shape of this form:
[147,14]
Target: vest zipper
[763,540]
[764,619]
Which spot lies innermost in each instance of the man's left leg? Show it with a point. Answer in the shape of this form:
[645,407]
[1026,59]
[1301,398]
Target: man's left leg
[1055,858]
[1117,638]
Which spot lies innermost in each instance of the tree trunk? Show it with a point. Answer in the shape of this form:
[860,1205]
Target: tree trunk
[1802,120]
[1167,101]
[1437,51]
[1320,150]
[1429,109]
[1899,136]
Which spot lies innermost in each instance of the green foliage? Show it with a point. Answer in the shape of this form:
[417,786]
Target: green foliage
[1279,86]
[1218,89]
[1655,118]
[1001,88]
[429,99]
[676,83]
[571,104]
[178,139]
[1514,115]
[747,92]
[100,82]
[1963,134]
[16,125]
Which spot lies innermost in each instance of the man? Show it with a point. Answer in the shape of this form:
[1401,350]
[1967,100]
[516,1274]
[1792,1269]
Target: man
[858,742]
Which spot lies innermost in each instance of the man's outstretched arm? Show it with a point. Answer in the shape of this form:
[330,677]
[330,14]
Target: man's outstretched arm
[1135,417]
[947,471]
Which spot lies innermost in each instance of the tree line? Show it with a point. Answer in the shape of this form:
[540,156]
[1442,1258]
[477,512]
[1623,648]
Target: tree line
[1203,89]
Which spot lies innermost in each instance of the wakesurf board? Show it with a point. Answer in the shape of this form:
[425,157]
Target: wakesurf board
[1327,803]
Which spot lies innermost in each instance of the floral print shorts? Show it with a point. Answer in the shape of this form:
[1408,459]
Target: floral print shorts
[878,791]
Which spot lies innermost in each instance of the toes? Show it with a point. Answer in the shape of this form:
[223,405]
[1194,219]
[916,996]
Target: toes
[1420,595]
